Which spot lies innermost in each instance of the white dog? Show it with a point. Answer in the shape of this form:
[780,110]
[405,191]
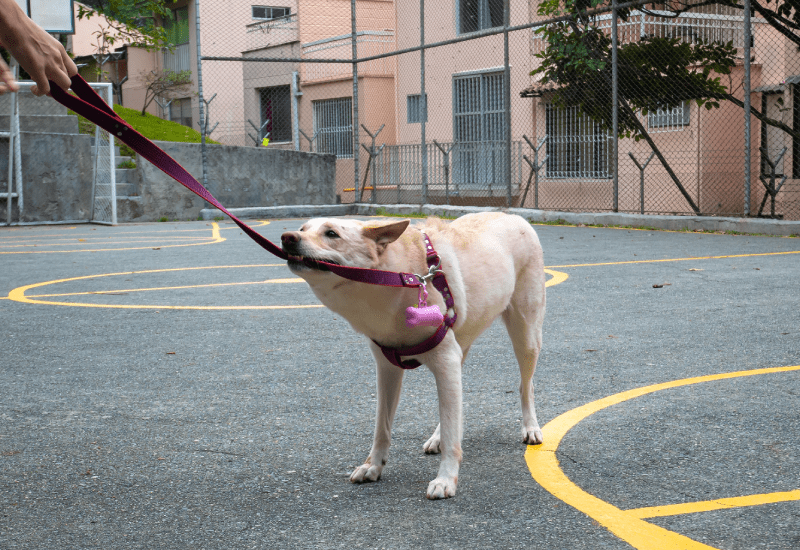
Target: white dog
[494,268]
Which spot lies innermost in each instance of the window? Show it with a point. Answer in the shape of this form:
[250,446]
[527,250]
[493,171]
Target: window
[576,146]
[476,15]
[772,106]
[180,111]
[176,25]
[479,128]
[414,109]
[333,126]
[268,12]
[669,119]
[276,112]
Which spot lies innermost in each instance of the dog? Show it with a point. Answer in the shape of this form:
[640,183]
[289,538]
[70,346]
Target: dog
[494,266]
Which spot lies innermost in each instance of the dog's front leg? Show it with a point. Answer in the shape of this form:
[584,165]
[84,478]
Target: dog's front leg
[446,368]
[390,381]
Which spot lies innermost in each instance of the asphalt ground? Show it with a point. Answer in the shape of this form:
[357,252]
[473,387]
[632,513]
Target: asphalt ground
[172,386]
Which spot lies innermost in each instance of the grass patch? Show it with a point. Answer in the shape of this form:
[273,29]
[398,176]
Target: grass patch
[383,212]
[149,126]
[126,165]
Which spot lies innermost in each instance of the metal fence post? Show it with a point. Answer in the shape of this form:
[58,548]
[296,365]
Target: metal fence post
[356,139]
[201,101]
[614,107]
[423,103]
[747,134]
[507,102]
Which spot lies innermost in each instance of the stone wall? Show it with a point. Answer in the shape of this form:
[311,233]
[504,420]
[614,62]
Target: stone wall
[237,177]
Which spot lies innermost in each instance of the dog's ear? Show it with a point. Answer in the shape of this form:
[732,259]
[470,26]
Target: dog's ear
[385,233]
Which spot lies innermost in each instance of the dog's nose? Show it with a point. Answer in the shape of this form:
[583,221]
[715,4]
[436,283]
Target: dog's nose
[290,238]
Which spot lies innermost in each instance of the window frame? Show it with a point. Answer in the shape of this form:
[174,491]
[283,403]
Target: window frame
[288,12]
[282,100]
[340,136]
[414,108]
[484,16]
[566,153]
[671,120]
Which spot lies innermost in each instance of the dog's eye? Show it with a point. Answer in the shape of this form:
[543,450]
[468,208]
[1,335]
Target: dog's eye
[331,234]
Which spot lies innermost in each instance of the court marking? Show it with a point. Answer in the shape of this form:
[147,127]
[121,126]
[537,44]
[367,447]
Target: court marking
[215,238]
[629,525]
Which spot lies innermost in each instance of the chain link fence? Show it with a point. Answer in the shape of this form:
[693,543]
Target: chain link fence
[636,107]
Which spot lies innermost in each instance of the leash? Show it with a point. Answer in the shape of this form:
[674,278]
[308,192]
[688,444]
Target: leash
[91,106]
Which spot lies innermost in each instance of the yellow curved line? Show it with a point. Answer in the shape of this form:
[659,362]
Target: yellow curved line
[558,277]
[18,294]
[259,223]
[215,238]
[543,465]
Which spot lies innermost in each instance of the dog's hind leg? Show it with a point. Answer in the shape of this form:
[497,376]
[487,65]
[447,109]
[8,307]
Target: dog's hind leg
[523,319]
[390,381]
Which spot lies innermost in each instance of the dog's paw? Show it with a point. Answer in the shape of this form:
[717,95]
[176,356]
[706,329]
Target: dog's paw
[442,487]
[532,435]
[433,445]
[365,473]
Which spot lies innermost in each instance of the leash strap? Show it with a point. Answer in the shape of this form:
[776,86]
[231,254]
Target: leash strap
[88,104]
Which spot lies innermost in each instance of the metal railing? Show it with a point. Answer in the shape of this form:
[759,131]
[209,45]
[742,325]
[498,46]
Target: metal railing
[179,60]
[267,34]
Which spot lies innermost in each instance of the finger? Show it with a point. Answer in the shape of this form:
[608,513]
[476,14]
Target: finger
[42,86]
[72,68]
[7,78]
[61,79]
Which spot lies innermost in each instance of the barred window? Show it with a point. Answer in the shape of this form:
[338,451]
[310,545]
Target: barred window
[479,128]
[476,15]
[414,109]
[176,26]
[772,139]
[269,12]
[276,112]
[670,119]
[180,111]
[577,146]
[333,126]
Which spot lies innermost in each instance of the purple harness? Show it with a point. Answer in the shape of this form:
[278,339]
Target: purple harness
[88,104]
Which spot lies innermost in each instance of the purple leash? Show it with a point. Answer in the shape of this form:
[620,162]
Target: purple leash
[91,106]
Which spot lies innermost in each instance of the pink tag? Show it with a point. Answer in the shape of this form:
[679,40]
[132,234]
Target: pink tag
[428,316]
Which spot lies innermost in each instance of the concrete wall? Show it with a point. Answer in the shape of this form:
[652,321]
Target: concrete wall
[57,177]
[237,177]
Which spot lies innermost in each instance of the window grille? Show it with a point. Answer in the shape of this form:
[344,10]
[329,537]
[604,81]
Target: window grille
[180,111]
[276,111]
[479,128]
[333,126]
[670,119]
[269,12]
[414,109]
[476,15]
[576,146]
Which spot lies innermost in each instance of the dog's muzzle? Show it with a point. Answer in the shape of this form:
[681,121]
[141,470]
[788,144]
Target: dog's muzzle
[291,241]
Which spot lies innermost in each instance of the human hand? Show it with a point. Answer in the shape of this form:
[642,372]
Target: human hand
[7,82]
[41,55]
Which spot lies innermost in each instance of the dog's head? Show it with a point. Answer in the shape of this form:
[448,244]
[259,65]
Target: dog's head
[339,241]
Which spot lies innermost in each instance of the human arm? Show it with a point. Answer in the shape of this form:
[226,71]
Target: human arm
[41,55]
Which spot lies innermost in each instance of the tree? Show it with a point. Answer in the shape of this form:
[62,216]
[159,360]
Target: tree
[127,21]
[165,85]
[654,73]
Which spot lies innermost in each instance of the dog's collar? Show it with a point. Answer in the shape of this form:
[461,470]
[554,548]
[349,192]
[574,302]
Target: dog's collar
[395,355]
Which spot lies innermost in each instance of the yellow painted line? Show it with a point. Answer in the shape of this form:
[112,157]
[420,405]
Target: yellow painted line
[558,277]
[696,258]
[19,294]
[215,238]
[259,223]
[544,467]
[129,290]
[102,242]
[711,505]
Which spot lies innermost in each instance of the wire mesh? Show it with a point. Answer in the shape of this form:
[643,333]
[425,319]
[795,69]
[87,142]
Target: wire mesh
[282,76]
